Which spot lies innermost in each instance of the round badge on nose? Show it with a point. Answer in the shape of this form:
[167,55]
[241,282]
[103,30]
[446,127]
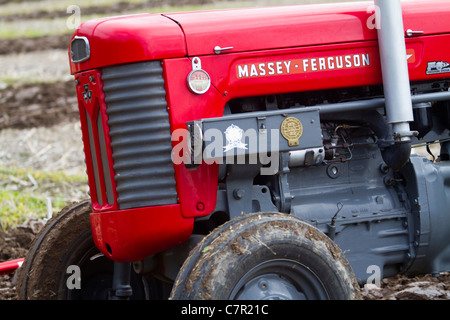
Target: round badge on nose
[198,80]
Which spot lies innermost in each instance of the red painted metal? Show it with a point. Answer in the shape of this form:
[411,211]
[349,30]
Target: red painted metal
[303,45]
[193,186]
[95,107]
[152,36]
[10,266]
[133,234]
[130,39]
[299,26]
[273,28]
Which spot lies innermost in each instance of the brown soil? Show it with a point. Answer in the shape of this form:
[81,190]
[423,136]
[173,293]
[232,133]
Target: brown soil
[37,105]
[400,287]
[14,244]
[22,45]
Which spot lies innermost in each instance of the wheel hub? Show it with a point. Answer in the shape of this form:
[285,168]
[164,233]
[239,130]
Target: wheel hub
[279,279]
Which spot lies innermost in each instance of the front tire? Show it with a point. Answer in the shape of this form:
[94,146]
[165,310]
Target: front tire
[266,256]
[66,240]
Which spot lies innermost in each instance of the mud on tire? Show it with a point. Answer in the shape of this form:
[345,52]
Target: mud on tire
[67,240]
[266,256]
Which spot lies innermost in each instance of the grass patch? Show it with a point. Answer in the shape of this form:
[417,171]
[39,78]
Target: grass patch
[24,193]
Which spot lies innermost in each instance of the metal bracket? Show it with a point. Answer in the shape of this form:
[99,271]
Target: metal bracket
[262,128]
[283,184]
[196,63]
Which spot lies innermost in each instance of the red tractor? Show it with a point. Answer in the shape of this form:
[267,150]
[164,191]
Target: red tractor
[260,153]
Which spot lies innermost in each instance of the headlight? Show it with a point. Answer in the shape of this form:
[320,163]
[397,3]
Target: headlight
[79,49]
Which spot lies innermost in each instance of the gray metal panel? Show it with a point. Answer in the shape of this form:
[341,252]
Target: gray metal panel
[140,134]
[255,140]
[428,185]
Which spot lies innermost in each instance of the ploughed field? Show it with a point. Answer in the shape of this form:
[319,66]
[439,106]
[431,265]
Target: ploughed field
[41,153]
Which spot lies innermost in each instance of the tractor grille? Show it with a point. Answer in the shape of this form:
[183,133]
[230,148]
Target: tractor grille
[139,130]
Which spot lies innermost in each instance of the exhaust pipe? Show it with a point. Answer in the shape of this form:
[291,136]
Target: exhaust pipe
[396,85]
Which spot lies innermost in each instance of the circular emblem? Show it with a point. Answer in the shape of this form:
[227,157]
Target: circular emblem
[291,129]
[198,81]
[234,135]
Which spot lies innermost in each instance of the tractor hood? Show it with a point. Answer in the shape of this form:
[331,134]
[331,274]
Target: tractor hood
[254,29]
[125,39]
[273,27]
[134,38]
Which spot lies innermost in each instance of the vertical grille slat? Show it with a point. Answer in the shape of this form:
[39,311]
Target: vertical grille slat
[95,169]
[105,163]
[139,130]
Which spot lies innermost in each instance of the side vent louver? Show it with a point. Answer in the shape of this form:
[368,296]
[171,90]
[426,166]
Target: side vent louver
[140,134]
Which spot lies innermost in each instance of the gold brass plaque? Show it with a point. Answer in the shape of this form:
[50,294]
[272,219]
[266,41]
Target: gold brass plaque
[291,129]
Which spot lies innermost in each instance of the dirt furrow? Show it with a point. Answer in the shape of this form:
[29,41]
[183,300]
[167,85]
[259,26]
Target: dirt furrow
[38,105]
[23,45]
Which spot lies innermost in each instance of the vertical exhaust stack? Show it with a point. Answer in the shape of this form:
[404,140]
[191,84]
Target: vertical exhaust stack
[396,85]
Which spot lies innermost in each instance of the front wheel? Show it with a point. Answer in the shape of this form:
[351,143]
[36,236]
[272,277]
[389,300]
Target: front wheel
[65,246]
[266,256]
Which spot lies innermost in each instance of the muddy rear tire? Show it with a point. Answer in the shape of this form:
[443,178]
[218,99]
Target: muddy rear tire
[266,256]
[66,240]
